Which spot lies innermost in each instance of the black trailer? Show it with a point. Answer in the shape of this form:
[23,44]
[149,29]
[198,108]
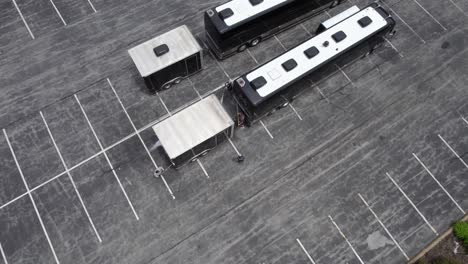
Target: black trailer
[341,40]
[238,24]
[167,59]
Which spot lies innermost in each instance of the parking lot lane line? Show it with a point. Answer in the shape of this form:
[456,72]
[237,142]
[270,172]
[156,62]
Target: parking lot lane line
[427,12]
[404,22]
[383,226]
[412,204]
[453,151]
[13,200]
[437,181]
[306,30]
[345,75]
[107,158]
[203,168]
[232,144]
[346,239]
[252,56]
[22,18]
[71,179]
[459,8]
[295,111]
[3,254]
[58,12]
[92,6]
[266,129]
[393,47]
[321,93]
[164,104]
[139,137]
[195,88]
[281,43]
[305,251]
[31,197]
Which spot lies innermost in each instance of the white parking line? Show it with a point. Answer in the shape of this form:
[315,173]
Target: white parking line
[346,239]
[427,12]
[92,6]
[141,140]
[305,251]
[453,151]
[71,179]
[320,92]
[306,30]
[279,41]
[124,139]
[383,226]
[345,75]
[3,254]
[266,129]
[404,22]
[459,8]
[58,12]
[393,47]
[252,56]
[107,158]
[440,185]
[31,197]
[164,104]
[203,168]
[412,204]
[195,88]
[232,144]
[22,18]
[295,111]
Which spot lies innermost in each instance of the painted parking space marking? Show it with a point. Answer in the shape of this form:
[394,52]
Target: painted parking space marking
[295,111]
[412,204]
[141,139]
[459,8]
[3,254]
[404,22]
[58,12]
[383,226]
[346,239]
[305,251]
[71,179]
[429,14]
[393,47]
[266,129]
[438,183]
[345,75]
[24,20]
[453,151]
[252,56]
[281,43]
[107,148]
[31,197]
[107,158]
[92,6]
[203,168]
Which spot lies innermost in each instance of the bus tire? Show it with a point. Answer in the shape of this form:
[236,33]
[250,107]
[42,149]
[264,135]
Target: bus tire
[242,48]
[335,3]
[178,80]
[255,42]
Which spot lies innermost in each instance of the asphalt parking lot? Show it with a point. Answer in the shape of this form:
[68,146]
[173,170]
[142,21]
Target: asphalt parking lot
[368,165]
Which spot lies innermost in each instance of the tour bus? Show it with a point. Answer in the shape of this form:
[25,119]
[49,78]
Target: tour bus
[238,24]
[345,37]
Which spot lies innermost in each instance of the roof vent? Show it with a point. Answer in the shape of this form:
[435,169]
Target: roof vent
[258,83]
[365,21]
[255,2]
[226,13]
[161,50]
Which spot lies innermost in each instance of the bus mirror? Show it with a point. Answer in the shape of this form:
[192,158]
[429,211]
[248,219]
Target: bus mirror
[210,13]
[241,82]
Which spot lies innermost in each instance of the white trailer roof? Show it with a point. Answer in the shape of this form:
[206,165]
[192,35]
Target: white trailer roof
[192,126]
[276,77]
[181,44]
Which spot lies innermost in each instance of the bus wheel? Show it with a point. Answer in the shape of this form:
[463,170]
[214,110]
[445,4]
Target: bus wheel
[242,48]
[255,42]
[178,80]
